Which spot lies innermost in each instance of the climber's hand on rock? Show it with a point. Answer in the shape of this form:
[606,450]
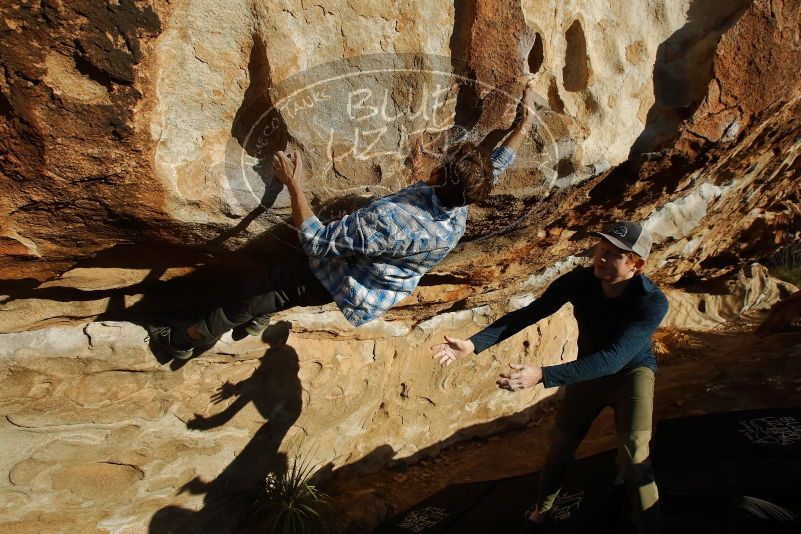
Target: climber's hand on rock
[299,175]
[527,104]
[453,349]
[285,169]
[523,376]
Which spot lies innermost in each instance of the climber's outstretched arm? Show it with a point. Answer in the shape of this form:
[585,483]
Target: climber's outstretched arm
[292,175]
[367,232]
[520,132]
[503,156]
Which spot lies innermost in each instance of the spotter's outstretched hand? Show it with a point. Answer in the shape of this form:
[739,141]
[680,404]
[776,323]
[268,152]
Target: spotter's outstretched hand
[453,349]
[524,376]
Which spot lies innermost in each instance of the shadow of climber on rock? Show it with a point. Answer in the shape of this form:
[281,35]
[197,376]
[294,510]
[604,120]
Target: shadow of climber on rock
[274,388]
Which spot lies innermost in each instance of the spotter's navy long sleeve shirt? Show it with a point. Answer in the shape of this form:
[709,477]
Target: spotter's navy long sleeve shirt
[614,334]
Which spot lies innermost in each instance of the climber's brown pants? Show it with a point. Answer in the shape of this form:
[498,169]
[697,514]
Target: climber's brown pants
[631,395]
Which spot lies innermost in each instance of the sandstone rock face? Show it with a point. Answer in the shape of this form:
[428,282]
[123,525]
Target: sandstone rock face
[135,140]
[751,290]
[156,122]
[92,420]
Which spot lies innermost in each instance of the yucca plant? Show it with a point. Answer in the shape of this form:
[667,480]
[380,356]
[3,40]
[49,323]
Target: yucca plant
[290,503]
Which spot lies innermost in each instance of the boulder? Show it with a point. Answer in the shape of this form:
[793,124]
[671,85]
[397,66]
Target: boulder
[135,147]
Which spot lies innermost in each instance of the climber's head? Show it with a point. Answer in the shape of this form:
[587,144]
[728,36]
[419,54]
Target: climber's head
[464,178]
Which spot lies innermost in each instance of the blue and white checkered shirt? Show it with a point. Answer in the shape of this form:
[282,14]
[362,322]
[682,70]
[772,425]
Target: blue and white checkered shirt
[373,258]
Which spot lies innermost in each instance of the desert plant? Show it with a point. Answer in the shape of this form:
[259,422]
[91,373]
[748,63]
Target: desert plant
[291,503]
[785,264]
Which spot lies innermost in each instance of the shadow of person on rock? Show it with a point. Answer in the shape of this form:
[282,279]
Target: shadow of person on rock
[231,498]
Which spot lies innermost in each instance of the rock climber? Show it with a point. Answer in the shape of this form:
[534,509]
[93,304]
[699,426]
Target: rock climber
[367,261]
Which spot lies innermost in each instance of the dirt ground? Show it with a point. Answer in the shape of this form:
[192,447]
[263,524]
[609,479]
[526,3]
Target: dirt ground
[727,369]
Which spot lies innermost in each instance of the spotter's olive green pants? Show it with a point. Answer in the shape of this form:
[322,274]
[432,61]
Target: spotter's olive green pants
[630,393]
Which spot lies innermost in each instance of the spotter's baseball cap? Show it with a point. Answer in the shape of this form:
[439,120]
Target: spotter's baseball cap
[629,236]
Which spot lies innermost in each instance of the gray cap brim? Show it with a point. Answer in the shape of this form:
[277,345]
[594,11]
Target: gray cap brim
[615,241]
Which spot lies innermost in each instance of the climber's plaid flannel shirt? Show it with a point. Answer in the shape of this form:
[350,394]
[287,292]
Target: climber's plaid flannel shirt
[373,258]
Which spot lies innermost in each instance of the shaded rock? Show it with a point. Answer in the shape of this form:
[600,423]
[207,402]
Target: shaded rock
[783,315]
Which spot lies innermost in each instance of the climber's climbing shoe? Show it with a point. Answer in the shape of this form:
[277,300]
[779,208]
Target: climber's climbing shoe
[160,340]
[257,325]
